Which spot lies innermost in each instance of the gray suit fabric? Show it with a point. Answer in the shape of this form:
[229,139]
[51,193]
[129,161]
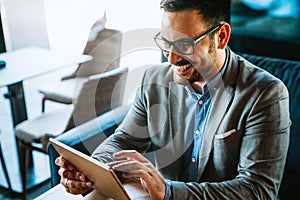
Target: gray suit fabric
[245,140]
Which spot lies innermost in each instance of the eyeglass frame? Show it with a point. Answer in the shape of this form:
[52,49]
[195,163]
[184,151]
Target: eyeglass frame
[195,41]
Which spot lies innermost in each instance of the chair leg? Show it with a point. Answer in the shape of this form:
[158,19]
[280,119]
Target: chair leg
[23,165]
[43,104]
[5,170]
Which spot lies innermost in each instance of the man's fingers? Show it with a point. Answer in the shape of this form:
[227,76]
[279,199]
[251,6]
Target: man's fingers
[130,155]
[75,175]
[71,183]
[76,187]
[61,162]
[134,161]
[134,167]
[115,163]
[140,173]
[77,190]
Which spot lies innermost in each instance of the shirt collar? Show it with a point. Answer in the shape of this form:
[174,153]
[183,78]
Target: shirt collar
[217,80]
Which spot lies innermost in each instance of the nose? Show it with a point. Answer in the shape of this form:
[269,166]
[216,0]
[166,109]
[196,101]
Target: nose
[173,56]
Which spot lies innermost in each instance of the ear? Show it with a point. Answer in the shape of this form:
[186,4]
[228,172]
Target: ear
[224,35]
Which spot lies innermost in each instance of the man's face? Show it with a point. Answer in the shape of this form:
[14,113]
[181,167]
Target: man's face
[188,24]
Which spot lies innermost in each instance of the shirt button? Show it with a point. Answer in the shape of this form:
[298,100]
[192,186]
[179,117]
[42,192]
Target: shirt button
[197,132]
[200,102]
[193,160]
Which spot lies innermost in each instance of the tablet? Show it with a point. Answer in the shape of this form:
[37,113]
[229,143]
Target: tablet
[103,177]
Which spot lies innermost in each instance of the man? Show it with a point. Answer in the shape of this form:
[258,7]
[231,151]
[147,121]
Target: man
[215,126]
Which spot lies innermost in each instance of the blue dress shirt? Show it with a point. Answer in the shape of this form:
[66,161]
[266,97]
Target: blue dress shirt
[196,111]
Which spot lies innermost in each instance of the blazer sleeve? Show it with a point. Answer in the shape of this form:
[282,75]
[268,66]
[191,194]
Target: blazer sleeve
[131,134]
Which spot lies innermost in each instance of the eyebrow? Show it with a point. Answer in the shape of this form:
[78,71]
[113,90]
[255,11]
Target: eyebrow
[185,38]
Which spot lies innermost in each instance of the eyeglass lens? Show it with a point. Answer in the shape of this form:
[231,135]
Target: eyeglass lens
[183,46]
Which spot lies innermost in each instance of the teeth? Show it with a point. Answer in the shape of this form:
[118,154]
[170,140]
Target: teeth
[183,66]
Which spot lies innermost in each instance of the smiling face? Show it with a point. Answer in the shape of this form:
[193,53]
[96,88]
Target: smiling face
[188,24]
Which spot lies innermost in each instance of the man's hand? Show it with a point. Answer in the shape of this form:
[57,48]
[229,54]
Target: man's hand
[74,181]
[133,164]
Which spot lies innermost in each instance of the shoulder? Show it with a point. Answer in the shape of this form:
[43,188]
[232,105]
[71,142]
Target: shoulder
[250,80]
[256,74]
[159,73]
[156,82]
[256,79]
[250,74]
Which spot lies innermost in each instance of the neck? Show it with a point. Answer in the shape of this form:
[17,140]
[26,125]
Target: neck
[220,61]
[198,86]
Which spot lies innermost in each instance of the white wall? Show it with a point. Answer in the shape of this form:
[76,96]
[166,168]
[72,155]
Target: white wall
[24,23]
[65,24]
[69,21]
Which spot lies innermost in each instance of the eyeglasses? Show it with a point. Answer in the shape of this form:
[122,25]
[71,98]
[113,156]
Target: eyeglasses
[185,46]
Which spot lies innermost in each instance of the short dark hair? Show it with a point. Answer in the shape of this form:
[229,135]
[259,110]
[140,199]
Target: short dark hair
[212,11]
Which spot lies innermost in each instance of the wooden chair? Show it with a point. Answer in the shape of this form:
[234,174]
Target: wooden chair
[105,47]
[98,94]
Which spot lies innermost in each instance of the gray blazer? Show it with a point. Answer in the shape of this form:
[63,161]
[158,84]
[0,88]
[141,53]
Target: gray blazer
[245,140]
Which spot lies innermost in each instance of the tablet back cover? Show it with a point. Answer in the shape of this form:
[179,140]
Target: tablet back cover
[104,179]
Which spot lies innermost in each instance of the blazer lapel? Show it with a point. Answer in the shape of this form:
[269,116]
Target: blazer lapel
[176,101]
[220,103]
[222,98]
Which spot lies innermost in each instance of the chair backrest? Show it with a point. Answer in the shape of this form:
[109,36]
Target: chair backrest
[106,52]
[100,93]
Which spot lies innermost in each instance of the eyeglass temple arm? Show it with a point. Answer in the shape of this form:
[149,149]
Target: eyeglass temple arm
[208,32]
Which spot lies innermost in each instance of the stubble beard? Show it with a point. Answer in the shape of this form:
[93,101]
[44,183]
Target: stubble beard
[196,75]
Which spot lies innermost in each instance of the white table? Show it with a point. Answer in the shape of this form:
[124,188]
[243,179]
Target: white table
[59,192]
[27,63]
